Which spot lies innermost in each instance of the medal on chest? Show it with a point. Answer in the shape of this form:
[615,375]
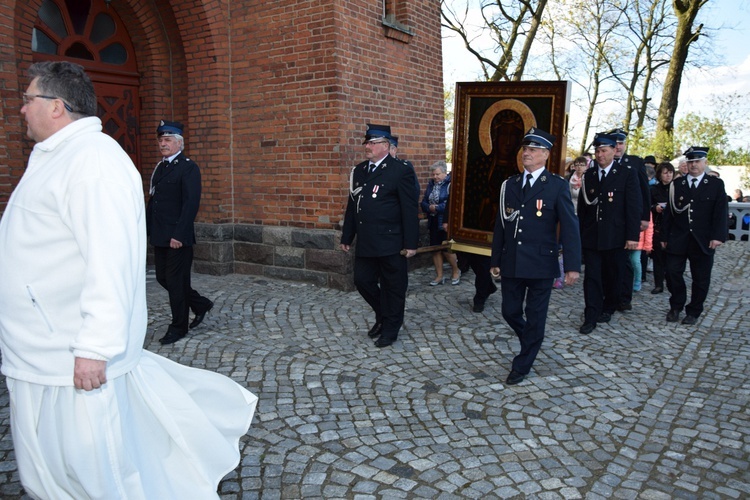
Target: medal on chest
[539,204]
[375,191]
[611,195]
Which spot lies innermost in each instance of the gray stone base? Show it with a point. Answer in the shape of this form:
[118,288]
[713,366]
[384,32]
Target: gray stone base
[309,255]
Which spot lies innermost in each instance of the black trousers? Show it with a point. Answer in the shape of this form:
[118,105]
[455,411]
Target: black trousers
[484,284]
[701,265]
[529,327]
[660,270]
[628,278]
[602,281]
[173,273]
[382,282]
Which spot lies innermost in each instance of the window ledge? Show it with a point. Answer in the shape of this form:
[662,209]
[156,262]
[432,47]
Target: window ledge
[397,31]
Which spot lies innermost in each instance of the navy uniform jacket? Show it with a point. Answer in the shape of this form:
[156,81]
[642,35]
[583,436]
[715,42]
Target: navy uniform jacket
[701,215]
[636,163]
[382,211]
[525,242]
[174,202]
[416,181]
[610,214]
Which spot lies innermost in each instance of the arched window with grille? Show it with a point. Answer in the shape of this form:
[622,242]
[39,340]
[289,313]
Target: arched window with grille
[90,33]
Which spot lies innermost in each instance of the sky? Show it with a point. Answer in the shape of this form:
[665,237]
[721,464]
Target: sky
[727,23]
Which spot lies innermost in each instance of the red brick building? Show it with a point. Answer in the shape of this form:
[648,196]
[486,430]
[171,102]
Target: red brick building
[274,95]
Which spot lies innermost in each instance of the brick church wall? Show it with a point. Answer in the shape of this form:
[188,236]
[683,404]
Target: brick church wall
[275,97]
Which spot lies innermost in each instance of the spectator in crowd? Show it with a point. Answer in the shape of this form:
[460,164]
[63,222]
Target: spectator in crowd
[694,226]
[435,206]
[580,165]
[659,199]
[650,161]
[682,166]
[644,247]
[737,198]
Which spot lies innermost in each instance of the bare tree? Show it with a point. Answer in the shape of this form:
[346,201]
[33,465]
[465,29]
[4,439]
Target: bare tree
[582,37]
[686,11]
[511,25]
[648,33]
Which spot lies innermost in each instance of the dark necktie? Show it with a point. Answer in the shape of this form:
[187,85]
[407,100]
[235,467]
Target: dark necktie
[604,174]
[528,183]
[694,181]
[161,165]
[371,168]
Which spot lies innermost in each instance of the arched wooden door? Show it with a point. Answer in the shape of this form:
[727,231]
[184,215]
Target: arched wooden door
[91,34]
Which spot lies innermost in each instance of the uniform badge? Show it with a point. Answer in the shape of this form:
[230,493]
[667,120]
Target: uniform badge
[611,194]
[508,210]
[539,204]
[544,178]
[375,191]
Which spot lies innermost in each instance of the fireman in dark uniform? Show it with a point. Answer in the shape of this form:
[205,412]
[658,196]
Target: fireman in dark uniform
[609,212]
[693,227]
[525,246]
[382,213]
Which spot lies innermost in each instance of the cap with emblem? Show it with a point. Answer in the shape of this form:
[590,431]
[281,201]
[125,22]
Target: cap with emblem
[377,131]
[604,139]
[695,153]
[169,128]
[538,138]
[619,134]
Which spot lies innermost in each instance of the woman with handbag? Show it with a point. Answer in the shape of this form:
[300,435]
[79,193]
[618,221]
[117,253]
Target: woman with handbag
[435,205]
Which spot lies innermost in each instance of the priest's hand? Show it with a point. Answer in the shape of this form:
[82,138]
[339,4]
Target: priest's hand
[89,374]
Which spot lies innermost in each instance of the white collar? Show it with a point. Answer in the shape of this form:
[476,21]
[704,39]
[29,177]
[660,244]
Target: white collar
[698,179]
[170,158]
[606,170]
[534,175]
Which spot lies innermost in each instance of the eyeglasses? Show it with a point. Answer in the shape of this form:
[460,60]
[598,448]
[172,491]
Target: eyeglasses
[378,142]
[27,98]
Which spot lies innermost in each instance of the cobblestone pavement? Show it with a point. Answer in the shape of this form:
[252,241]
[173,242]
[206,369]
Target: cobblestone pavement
[638,409]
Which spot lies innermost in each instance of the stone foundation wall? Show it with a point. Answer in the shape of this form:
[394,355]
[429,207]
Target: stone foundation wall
[308,255]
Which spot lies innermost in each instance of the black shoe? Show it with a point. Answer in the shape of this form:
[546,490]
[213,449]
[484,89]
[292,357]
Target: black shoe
[604,318]
[478,307]
[375,330]
[658,289]
[199,317]
[625,306]
[384,342]
[172,336]
[587,328]
[514,378]
[673,316]
[689,320]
